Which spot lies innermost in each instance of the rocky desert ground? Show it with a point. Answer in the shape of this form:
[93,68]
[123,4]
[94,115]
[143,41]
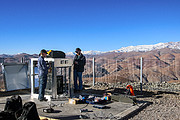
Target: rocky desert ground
[164,102]
[163,107]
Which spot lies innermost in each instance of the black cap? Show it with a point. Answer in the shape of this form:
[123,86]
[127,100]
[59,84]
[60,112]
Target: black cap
[78,49]
[43,51]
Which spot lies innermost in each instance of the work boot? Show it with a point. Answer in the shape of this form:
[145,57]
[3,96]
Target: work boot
[44,99]
[77,91]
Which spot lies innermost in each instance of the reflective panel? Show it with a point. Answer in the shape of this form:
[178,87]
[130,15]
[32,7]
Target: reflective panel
[16,76]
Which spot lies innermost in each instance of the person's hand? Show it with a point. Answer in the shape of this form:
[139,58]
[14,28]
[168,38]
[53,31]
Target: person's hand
[76,62]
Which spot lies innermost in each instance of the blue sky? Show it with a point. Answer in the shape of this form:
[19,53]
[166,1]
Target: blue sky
[30,25]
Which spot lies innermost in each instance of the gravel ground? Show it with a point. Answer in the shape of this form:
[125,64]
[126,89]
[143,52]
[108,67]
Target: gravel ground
[164,107]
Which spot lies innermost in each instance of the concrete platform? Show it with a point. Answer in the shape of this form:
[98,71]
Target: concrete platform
[65,111]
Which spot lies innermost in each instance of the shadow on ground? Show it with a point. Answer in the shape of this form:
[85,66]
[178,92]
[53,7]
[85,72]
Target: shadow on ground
[15,92]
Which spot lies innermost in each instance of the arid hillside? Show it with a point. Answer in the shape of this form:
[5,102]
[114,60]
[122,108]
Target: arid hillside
[158,66]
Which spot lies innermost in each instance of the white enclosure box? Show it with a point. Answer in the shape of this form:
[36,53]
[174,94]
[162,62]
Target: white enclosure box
[60,74]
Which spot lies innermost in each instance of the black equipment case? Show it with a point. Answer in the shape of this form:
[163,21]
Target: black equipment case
[56,54]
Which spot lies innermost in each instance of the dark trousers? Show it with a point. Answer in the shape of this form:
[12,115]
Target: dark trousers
[78,75]
[42,86]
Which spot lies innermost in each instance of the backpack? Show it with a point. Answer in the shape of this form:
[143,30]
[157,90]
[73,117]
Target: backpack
[7,116]
[13,104]
[28,112]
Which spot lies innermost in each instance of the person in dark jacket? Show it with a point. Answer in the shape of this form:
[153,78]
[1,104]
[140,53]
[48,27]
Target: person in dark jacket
[43,71]
[79,63]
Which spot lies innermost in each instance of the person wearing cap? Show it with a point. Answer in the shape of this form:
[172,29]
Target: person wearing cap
[43,71]
[79,63]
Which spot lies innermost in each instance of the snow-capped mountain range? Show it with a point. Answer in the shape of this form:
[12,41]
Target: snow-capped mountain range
[91,52]
[139,48]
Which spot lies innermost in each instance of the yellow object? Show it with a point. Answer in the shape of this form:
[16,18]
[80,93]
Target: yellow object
[46,118]
[73,100]
[49,52]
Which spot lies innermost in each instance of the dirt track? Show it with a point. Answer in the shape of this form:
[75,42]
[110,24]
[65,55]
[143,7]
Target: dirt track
[164,107]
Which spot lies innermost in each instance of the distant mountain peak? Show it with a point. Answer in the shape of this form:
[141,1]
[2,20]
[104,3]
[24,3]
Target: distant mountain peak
[145,48]
[138,48]
[91,52]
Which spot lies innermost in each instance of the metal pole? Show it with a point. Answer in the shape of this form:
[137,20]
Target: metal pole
[65,80]
[93,71]
[54,81]
[105,67]
[72,81]
[2,60]
[141,72]
[116,71]
[175,68]
[22,60]
[32,78]
[3,72]
[69,85]
[161,71]
[109,71]
[101,73]
[61,71]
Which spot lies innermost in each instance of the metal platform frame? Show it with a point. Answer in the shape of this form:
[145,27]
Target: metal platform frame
[56,63]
